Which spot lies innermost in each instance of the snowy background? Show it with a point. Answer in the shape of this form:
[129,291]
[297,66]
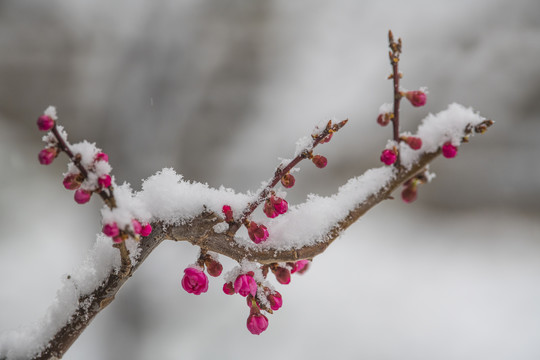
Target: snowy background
[219,90]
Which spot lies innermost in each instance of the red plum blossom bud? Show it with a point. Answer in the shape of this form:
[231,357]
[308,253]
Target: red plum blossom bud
[194,281]
[45,123]
[228,288]
[118,239]
[111,230]
[227,211]
[283,275]
[288,181]
[213,267]
[384,119]
[275,300]
[416,98]
[101,156]
[72,181]
[257,323]
[257,233]
[269,209]
[414,143]
[319,161]
[82,196]
[137,227]
[146,230]
[300,266]
[388,157]
[448,150]
[327,138]
[245,285]
[105,181]
[409,193]
[280,205]
[46,156]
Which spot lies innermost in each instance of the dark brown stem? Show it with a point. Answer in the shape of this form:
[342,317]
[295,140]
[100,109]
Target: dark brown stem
[281,171]
[108,198]
[395,51]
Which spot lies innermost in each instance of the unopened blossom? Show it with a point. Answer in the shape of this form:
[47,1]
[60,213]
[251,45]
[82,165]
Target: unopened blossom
[245,285]
[111,229]
[388,156]
[213,267]
[137,227]
[72,181]
[194,281]
[416,98]
[46,156]
[257,233]
[283,275]
[414,142]
[101,156]
[279,204]
[288,180]
[409,193]
[275,300]
[384,119]
[105,181]
[300,266]
[82,196]
[257,323]
[228,288]
[319,161]
[227,211]
[146,230]
[448,150]
[45,123]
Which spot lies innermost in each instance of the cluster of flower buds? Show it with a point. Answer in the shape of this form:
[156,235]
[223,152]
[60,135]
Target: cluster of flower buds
[275,206]
[195,280]
[47,122]
[257,232]
[98,169]
[260,297]
[118,235]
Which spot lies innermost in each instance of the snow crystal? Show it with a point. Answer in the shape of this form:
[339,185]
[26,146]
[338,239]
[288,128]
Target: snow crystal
[87,151]
[221,227]
[302,144]
[51,112]
[386,108]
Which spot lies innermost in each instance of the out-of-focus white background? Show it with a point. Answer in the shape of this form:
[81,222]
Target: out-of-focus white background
[219,90]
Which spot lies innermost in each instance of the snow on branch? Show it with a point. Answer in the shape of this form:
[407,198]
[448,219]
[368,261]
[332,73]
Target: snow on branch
[282,240]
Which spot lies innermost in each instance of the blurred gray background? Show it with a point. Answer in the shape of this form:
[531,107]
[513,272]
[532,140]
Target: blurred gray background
[219,90]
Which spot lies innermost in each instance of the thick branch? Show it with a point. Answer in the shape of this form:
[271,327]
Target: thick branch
[91,304]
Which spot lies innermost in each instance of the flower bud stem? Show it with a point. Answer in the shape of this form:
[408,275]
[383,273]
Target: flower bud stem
[395,51]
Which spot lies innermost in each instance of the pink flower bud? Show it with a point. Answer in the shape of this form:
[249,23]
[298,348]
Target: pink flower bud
[269,209]
[300,266]
[384,119]
[257,233]
[227,211]
[245,285]
[409,194]
[45,123]
[319,161]
[388,156]
[72,181]
[146,230]
[213,267]
[46,156]
[280,204]
[194,281]
[257,323]
[137,227]
[288,181]
[228,288]
[275,300]
[101,156]
[82,196]
[414,143]
[417,97]
[117,239]
[105,181]
[448,150]
[327,138]
[111,230]
[283,275]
